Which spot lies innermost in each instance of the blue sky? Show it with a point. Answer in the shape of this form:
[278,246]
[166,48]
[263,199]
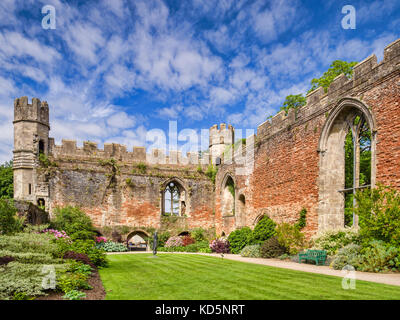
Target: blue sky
[113,69]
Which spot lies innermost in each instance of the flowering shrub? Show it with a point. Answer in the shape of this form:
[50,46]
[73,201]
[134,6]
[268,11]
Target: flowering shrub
[187,240]
[101,239]
[57,234]
[174,242]
[333,240]
[220,246]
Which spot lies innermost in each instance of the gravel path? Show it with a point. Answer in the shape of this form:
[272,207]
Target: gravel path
[385,278]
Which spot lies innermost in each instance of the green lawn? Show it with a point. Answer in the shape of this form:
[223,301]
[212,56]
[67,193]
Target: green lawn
[196,277]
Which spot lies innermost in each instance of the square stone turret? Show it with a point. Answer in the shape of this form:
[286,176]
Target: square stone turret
[31,137]
[220,139]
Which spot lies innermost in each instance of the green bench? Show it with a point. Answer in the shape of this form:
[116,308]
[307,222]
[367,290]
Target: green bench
[319,256]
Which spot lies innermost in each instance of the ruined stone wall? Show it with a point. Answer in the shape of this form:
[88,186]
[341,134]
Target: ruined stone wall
[293,166]
[127,194]
[287,172]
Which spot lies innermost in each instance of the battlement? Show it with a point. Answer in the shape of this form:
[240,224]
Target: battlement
[222,135]
[365,74]
[69,150]
[37,111]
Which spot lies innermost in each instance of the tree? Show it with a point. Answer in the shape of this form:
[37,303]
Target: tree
[336,68]
[293,102]
[9,221]
[6,181]
[379,215]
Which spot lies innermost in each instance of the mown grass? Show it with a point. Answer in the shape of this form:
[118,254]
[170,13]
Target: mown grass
[196,277]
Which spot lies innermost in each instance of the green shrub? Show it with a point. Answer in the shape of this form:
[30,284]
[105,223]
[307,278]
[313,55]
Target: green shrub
[271,248]
[88,247]
[72,281]
[162,238]
[379,257]
[205,250]
[9,221]
[198,234]
[22,296]
[74,295]
[74,222]
[348,255]
[29,242]
[290,237]
[379,215]
[30,257]
[333,240]
[23,278]
[201,246]
[79,267]
[111,246]
[251,251]
[264,230]
[285,256]
[238,239]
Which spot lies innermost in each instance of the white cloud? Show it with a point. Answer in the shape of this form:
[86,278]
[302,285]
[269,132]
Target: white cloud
[85,41]
[13,44]
[121,120]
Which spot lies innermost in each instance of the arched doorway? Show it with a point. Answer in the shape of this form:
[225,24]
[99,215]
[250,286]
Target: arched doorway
[352,120]
[137,241]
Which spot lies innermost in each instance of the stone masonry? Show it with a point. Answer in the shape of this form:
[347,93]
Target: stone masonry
[297,162]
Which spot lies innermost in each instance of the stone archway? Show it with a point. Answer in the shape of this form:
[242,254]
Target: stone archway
[228,189]
[138,240]
[332,160]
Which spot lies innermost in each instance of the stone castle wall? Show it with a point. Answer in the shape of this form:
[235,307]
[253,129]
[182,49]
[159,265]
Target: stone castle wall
[287,173]
[291,166]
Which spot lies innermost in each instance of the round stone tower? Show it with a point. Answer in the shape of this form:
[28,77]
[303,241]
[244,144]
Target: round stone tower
[31,137]
[220,139]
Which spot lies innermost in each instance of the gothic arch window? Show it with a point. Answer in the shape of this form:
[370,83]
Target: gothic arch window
[174,199]
[347,162]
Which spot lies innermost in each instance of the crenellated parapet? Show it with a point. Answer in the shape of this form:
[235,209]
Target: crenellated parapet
[68,149]
[365,74]
[37,111]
